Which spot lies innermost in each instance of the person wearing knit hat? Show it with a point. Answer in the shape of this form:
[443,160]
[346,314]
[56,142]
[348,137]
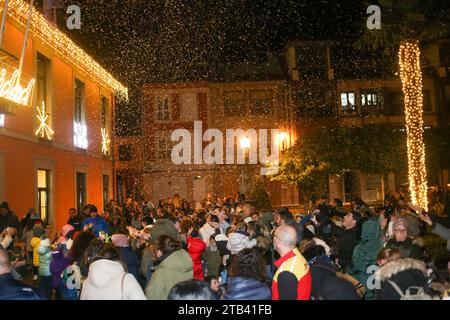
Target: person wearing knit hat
[402,242]
[64,232]
[128,256]
[400,223]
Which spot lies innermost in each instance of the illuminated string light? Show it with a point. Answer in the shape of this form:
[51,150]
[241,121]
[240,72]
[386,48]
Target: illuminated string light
[61,43]
[105,141]
[44,130]
[411,76]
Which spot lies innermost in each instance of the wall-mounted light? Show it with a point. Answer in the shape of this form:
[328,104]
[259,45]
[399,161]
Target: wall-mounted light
[105,142]
[44,130]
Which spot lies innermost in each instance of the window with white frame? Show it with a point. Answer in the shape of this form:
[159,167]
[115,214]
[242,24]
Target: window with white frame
[163,108]
[348,104]
[371,101]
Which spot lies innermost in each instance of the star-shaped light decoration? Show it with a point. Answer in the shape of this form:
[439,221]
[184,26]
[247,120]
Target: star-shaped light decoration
[44,130]
[105,141]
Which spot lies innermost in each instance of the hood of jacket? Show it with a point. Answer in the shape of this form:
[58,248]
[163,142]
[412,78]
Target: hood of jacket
[178,260]
[392,268]
[370,230]
[102,271]
[164,227]
[238,241]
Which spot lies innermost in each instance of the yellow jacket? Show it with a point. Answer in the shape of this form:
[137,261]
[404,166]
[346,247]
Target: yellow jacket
[35,242]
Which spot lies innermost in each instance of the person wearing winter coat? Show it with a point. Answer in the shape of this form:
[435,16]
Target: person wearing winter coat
[11,288]
[402,280]
[174,265]
[128,256]
[115,222]
[365,253]
[240,239]
[247,273]
[209,228]
[74,219]
[212,258]
[164,227]
[347,238]
[107,278]
[195,248]
[45,276]
[325,284]
[403,243]
[96,223]
[35,241]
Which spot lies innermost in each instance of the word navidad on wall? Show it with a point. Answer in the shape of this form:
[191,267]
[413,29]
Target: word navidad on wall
[10,88]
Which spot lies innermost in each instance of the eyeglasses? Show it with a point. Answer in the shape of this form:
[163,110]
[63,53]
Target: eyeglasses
[401,230]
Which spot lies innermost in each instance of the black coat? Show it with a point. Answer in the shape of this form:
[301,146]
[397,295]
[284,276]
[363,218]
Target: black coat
[75,222]
[326,285]
[407,249]
[11,289]
[403,280]
[346,242]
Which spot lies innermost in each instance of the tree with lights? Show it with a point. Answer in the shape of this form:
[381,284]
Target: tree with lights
[405,26]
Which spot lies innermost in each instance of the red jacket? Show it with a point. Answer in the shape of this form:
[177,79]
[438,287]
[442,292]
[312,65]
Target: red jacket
[297,285]
[195,248]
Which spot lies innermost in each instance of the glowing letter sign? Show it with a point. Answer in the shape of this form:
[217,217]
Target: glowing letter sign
[10,89]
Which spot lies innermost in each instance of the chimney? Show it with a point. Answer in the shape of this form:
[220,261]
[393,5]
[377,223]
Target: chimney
[50,7]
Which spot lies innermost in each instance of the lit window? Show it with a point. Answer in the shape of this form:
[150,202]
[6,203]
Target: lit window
[371,102]
[348,102]
[2,120]
[43,193]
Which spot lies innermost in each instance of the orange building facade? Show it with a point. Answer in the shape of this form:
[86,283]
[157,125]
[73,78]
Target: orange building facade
[55,149]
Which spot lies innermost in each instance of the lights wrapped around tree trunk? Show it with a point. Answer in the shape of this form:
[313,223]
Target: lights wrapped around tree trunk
[411,76]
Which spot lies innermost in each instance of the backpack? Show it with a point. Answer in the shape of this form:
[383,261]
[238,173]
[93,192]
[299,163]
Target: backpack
[408,295]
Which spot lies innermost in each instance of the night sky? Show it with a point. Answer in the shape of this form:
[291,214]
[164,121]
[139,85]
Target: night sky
[165,41]
[144,41]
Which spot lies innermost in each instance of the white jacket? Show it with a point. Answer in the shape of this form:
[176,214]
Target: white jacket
[238,241]
[104,282]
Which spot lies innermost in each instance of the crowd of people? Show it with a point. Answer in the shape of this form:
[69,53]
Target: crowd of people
[225,249]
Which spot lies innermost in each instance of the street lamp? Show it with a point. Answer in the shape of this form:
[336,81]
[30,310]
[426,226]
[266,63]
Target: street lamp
[245,143]
[282,136]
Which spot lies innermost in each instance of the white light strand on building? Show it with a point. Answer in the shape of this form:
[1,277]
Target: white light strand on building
[61,43]
[411,76]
